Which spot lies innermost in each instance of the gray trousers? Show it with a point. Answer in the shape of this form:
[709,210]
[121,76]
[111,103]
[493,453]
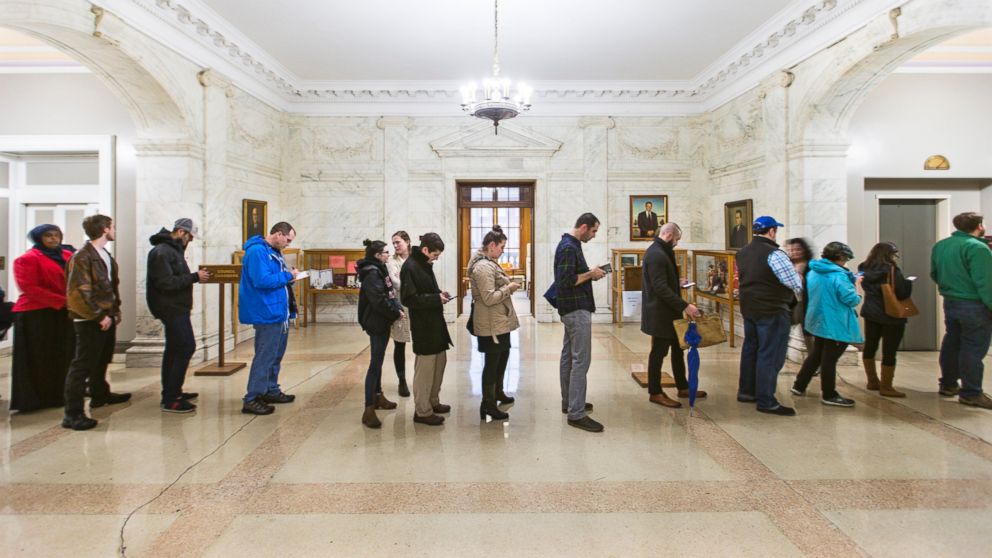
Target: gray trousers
[576,354]
[428,373]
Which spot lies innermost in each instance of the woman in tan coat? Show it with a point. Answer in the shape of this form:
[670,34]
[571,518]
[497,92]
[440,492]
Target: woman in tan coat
[400,332]
[493,318]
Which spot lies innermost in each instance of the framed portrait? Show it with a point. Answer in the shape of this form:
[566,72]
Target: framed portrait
[737,219]
[647,215]
[254,219]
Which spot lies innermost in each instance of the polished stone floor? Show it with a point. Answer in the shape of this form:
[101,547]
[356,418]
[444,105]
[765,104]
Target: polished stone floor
[888,478]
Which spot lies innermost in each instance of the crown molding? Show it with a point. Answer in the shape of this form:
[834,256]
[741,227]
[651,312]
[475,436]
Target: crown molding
[195,31]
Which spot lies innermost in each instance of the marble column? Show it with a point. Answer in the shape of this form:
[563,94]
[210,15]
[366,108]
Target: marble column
[169,185]
[595,159]
[396,191]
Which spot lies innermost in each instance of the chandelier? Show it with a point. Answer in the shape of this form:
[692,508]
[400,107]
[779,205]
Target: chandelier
[497,102]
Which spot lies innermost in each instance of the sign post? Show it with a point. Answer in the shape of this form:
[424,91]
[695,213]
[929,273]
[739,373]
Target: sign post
[221,275]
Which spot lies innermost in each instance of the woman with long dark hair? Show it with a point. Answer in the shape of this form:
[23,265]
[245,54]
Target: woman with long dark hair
[833,296]
[879,268]
[400,332]
[44,338]
[378,308]
[800,253]
[493,318]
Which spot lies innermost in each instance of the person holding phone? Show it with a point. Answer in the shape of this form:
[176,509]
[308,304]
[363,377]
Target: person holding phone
[833,297]
[879,268]
[661,305]
[420,293]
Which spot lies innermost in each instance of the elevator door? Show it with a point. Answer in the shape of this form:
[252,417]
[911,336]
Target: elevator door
[912,225]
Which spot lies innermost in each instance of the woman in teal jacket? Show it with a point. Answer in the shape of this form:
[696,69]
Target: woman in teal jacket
[832,319]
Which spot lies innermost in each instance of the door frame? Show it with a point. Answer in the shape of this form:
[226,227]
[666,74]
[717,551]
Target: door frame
[463,239]
[943,211]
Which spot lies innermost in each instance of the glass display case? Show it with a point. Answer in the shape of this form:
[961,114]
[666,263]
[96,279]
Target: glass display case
[626,275]
[715,274]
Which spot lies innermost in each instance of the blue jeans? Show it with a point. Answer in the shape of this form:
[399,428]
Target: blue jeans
[179,348]
[270,346]
[966,342]
[373,377]
[766,341]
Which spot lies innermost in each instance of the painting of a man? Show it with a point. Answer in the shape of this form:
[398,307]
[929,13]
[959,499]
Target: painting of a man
[254,214]
[738,236]
[647,215]
[737,217]
[647,220]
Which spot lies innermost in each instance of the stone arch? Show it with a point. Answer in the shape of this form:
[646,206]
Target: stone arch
[826,90]
[847,72]
[125,61]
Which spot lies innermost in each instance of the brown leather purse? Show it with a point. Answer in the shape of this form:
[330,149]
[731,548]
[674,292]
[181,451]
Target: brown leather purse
[894,307]
[709,326]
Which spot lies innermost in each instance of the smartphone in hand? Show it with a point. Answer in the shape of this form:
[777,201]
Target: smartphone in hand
[608,268]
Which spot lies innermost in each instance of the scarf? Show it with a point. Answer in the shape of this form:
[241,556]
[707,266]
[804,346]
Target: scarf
[54,254]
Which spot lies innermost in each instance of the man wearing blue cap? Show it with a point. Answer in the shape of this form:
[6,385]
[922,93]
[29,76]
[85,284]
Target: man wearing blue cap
[769,286]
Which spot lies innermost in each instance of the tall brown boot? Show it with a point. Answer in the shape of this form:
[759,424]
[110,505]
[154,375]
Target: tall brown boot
[871,374]
[886,389]
[369,419]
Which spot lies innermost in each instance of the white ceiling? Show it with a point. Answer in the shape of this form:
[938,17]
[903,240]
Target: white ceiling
[586,40]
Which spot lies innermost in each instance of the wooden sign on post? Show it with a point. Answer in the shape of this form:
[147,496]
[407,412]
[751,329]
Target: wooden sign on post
[221,275]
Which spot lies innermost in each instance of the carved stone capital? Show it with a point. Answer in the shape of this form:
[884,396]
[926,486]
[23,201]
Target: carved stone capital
[212,78]
[394,121]
[597,122]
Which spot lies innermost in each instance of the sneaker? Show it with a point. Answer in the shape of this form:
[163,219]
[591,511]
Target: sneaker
[278,398]
[838,401]
[111,399]
[78,422]
[781,410]
[430,420]
[587,424]
[257,407]
[746,398]
[564,410]
[179,406]
[981,400]
[798,392]
[949,391]
[189,396]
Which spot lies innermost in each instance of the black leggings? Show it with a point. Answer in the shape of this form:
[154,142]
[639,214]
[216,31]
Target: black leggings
[494,368]
[890,337]
[399,359]
[659,350]
[823,355]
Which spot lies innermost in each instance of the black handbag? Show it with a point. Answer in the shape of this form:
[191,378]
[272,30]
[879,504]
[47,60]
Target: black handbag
[470,324]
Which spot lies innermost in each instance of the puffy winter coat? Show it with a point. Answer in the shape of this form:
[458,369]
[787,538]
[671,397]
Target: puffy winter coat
[169,283]
[263,294]
[832,302]
[377,304]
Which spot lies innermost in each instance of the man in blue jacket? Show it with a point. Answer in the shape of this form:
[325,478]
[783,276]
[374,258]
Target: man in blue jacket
[264,302]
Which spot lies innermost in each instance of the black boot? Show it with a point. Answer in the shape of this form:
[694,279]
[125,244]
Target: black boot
[404,389]
[501,397]
[488,406]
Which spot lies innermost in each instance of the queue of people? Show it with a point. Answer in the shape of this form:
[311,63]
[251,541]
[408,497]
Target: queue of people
[66,317]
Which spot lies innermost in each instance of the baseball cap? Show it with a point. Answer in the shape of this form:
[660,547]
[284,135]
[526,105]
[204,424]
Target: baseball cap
[187,225]
[765,222]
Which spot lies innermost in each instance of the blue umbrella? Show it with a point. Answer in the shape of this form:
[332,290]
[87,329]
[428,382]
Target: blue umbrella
[693,338]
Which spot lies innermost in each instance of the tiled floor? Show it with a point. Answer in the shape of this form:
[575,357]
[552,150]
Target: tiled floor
[902,478]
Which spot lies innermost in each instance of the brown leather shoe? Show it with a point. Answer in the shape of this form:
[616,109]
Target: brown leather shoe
[684,394]
[442,408]
[432,420]
[382,403]
[664,401]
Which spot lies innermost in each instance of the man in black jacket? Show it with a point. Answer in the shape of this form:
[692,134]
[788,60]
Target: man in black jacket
[169,290]
[661,305]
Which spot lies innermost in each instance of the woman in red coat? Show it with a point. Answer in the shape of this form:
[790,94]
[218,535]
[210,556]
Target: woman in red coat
[44,340]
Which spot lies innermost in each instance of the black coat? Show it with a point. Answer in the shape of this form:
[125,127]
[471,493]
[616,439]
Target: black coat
[169,285]
[377,304]
[661,300]
[422,297]
[873,307]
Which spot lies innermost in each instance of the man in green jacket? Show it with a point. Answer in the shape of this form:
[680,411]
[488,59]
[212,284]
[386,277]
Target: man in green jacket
[961,265]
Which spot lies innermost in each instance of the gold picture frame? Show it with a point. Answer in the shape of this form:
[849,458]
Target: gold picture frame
[737,219]
[254,219]
[643,217]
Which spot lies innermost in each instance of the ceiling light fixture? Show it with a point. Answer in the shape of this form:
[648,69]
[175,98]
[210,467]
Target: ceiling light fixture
[496,103]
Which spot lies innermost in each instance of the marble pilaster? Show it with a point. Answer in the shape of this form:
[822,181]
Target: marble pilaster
[595,194]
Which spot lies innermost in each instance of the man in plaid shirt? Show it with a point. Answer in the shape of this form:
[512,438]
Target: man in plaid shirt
[575,303]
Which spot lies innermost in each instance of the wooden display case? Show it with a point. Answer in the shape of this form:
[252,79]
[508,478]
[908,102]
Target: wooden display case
[341,263]
[626,275]
[715,274]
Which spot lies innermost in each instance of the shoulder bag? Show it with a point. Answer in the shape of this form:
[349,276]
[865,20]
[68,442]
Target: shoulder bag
[894,307]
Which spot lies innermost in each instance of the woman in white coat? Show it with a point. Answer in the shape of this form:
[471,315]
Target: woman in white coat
[401,328]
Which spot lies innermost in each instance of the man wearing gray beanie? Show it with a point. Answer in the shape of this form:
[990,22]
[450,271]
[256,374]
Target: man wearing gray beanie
[169,291]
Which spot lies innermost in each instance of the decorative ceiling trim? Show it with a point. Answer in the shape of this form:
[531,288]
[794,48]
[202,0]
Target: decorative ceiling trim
[743,67]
